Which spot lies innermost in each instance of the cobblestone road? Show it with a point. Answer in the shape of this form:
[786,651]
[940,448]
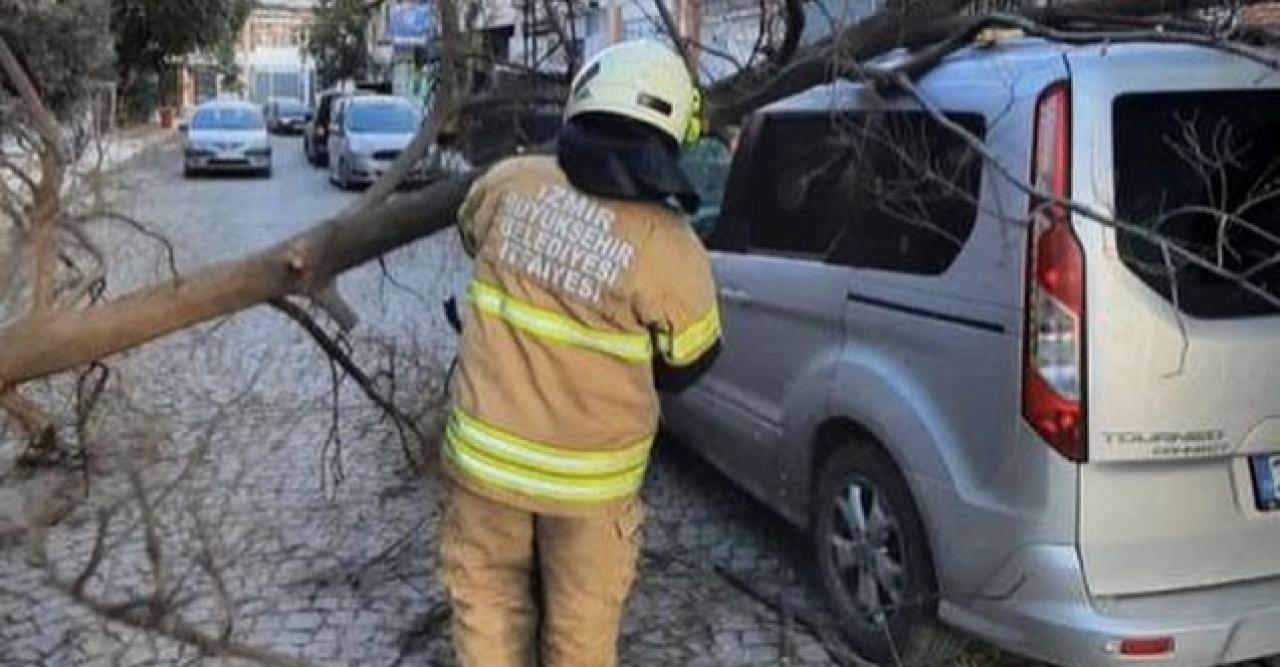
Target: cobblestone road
[317,540]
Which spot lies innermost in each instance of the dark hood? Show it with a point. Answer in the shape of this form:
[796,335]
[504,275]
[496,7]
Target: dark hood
[621,159]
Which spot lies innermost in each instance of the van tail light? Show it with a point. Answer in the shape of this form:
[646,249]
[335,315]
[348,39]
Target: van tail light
[1053,357]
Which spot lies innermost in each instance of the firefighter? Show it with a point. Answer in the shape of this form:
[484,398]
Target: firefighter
[588,288]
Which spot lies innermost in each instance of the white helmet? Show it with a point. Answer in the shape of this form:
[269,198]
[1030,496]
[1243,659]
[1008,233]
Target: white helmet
[641,80]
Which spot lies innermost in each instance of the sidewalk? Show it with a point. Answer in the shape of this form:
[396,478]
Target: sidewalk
[124,145]
[115,150]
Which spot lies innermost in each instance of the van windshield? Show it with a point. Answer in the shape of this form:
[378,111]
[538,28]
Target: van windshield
[1202,171]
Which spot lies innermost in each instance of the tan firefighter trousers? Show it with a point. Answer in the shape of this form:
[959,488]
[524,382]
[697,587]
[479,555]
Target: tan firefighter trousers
[585,566]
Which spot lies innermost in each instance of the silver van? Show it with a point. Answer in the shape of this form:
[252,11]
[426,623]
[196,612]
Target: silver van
[997,416]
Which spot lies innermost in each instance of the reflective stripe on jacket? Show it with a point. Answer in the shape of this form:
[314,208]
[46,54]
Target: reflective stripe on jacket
[541,470]
[571,298]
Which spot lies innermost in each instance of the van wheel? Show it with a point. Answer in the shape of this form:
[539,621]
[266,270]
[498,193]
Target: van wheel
[874,560]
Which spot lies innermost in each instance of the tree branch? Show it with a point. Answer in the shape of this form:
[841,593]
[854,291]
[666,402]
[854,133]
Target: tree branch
[340,356]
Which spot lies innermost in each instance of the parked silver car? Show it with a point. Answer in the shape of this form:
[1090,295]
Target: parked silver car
[993,414]
[225,136]
[367,133]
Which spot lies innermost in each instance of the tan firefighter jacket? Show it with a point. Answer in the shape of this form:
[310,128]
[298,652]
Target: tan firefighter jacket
[554,408]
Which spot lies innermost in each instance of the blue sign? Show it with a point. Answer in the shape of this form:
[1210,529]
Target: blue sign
[410,23]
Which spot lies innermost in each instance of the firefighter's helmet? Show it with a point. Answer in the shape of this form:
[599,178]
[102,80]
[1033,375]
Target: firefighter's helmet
[644,81]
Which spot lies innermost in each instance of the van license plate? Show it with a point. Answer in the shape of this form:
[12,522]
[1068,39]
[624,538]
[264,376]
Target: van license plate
[1266,480]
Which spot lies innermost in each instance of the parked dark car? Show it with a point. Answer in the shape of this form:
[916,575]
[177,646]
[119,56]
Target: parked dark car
[315,137]
[285,115]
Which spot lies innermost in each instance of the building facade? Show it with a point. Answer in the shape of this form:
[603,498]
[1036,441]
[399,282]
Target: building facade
[541,36]
[521,32]
[400,38]
[272,52]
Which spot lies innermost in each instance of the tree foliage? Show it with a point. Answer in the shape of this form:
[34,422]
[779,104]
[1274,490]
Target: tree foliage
[62,47]
[148,33]
[338,40]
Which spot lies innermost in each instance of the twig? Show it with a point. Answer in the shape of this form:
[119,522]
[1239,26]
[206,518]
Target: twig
[1175,298]
[139,227]
[367,385]
[136,614]
[827,636]
[95,557]
[151,539]
[351,573]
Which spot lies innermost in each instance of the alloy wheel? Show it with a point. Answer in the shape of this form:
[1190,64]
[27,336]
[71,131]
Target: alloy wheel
[867,552]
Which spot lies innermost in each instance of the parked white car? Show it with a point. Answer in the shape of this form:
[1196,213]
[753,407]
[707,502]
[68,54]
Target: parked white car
[367,134]
[226,136]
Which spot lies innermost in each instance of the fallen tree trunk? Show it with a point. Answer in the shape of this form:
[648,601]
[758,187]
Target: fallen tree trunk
[62,340]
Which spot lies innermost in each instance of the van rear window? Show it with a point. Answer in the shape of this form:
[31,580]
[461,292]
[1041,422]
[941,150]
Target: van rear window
[1202,170]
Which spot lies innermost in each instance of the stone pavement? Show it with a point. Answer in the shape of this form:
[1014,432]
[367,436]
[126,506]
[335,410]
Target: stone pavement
[307,536]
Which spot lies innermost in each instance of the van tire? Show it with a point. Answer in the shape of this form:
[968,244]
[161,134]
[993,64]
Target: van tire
[895,548]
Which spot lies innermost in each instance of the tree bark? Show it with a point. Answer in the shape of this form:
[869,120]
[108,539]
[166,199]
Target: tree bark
[48,191]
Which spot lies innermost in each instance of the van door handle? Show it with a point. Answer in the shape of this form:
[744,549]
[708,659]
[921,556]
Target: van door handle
[735,296]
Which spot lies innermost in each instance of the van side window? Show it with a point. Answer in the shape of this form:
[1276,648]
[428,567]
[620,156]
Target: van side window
[892,190]
[707,163]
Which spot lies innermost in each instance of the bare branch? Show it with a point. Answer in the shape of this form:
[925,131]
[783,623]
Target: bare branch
[45,124]
[136,225]
[343,359]
[682,45]
[35,422]
[136,614]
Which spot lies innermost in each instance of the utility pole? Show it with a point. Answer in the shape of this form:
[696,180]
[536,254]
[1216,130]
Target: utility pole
[690,24]
[615,21]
